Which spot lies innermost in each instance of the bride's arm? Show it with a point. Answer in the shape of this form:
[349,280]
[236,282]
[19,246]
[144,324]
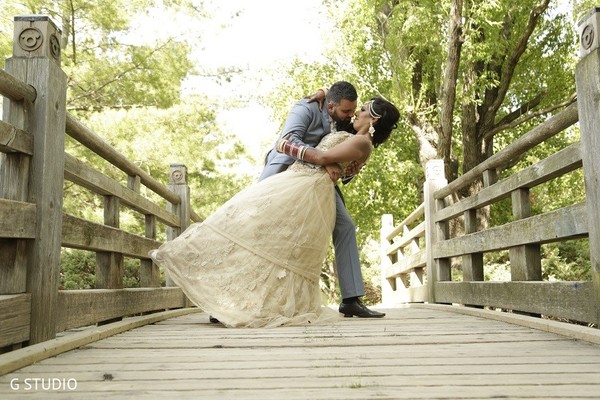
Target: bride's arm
[355,148]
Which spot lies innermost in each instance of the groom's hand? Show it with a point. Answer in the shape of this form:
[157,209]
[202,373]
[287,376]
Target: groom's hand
[352,169]
[334,171]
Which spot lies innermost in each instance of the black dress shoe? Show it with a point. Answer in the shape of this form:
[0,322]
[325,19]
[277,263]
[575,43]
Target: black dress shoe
[358,309]
[213,320]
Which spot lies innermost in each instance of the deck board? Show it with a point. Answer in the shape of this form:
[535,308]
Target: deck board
[412,353]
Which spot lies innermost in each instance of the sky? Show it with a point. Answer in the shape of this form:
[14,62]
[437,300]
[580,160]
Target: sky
[254,36]
[261,31]
[264,34]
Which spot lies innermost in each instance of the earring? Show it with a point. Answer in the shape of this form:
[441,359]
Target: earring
[371,128]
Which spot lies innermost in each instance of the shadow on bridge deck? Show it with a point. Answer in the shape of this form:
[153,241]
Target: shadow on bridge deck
[417,351]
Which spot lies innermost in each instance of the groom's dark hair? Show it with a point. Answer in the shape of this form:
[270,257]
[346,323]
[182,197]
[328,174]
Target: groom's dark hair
[339,91]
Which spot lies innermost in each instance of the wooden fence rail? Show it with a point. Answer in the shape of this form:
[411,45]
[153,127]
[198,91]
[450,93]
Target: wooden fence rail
[420,254]
[33,227]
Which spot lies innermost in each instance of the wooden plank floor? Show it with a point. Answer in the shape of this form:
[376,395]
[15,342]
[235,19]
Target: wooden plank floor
[417,352]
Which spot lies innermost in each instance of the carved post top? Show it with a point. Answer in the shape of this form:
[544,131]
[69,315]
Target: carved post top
[434,170]
[588,32]
[36,36]
[178,174]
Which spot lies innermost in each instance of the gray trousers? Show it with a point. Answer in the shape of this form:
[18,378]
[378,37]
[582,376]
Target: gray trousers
[347,261]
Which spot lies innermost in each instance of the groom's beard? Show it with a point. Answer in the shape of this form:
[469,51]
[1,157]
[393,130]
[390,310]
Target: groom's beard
[345,126]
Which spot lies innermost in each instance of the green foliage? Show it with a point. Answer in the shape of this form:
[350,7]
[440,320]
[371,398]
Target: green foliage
[497,266]
[581,8]
[567,261]
[138,76]
[105,64]
[77,269]
[156,138]
[390,183]
[400,47]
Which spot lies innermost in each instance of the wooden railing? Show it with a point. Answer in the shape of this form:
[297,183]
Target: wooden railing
[420,254]
[33,227]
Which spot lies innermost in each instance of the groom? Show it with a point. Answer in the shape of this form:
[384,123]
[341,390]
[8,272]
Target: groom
[307,125]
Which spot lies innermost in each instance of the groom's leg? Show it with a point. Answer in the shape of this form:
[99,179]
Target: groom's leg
[346,253]
[272,169]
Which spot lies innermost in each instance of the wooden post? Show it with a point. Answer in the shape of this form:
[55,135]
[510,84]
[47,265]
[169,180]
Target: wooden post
[416,277]
[14,174]
[388,286]
[472,264]
[587,77]
[36,61]
[178,185]
[109,265]
[14,178]
[525,260]
[436,269]
[149,272]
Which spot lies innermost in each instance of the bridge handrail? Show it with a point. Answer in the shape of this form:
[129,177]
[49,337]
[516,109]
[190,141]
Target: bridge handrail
[98,145]
[420,261]
[557,123]
[33,226]
[15,89]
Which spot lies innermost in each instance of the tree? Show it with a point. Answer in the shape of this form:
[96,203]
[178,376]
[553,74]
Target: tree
[474,76]
[482,69]
[106,65]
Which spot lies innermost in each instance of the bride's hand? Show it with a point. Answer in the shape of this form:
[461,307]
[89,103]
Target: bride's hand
[319,96]
[334,171]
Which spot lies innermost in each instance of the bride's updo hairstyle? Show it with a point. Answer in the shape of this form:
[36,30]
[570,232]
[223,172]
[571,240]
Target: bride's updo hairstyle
[387,122]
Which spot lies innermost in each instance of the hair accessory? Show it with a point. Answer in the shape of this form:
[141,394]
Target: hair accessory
[372,112]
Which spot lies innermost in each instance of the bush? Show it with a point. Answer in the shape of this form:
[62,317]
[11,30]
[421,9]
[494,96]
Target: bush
[78,270]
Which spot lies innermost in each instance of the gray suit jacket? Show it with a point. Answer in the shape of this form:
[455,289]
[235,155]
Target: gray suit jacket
[307,125]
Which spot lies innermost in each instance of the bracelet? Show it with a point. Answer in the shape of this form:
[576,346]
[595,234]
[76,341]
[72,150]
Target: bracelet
[291,149]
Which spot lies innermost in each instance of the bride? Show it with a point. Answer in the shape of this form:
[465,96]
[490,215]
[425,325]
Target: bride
[256,261]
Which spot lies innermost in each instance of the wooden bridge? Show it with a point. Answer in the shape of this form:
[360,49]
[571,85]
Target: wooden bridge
[415,352]
[443,337]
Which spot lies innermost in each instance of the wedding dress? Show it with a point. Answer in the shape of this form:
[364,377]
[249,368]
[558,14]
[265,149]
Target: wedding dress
[256,261]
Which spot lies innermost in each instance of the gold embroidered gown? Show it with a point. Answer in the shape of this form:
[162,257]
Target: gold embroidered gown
[256,261]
